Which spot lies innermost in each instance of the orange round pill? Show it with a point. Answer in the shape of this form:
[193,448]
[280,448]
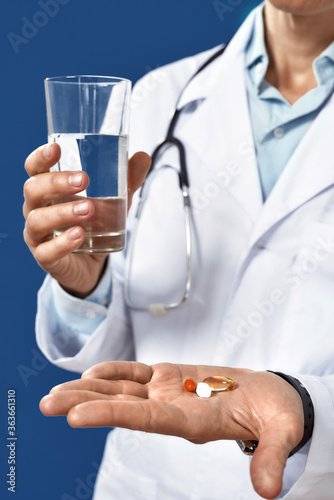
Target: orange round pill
[190,385]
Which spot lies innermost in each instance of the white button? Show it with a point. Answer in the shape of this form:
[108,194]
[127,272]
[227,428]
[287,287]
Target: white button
[278,132]
[258,68]
[104,301]
[90,314]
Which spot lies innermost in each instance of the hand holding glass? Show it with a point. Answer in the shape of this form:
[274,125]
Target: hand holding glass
[88,116]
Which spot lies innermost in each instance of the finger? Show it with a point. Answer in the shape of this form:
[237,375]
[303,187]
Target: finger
[145,416]
[60,402]
[42,159]
[41,189]
[268,463]
[41,222]
[110,387]
[49,253]
[127,370]
[139,165]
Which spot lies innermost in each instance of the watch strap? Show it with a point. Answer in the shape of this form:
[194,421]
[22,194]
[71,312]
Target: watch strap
[308,408]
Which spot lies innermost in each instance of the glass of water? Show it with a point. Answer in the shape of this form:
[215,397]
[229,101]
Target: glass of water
[88,116]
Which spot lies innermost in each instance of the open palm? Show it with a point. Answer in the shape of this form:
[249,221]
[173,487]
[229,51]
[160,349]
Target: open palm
[153,399]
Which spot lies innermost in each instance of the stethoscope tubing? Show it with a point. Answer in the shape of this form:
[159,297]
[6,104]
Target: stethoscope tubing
[159,309]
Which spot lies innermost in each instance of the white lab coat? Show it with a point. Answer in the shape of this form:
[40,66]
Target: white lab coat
[263,282]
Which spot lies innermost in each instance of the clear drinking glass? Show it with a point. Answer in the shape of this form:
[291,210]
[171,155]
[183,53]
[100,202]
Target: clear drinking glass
[88,116]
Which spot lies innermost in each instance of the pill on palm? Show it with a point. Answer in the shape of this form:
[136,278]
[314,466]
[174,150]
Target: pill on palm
[190,385]
[203,390]
[219,384]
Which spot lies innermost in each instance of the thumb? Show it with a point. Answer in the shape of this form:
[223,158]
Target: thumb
[139,165]
[268,463]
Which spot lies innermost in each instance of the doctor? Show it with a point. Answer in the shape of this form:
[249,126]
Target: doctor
[257,127]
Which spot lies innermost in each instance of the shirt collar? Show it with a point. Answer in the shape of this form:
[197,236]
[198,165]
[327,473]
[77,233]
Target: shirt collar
[329,52]
[323,66]
[256,57]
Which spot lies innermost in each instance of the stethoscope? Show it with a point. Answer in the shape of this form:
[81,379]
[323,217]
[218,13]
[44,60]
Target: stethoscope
[160,309]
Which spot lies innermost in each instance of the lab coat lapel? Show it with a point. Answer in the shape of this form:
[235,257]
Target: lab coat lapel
[220,134]
[309,171]
[219,131]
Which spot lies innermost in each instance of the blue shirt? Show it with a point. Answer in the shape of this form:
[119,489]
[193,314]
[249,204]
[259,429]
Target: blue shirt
[277,125]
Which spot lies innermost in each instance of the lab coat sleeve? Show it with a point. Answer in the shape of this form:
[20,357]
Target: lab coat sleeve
[83,333]
[317,480]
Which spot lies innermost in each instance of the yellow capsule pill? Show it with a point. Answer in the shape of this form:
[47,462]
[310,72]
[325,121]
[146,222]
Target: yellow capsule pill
[219,384]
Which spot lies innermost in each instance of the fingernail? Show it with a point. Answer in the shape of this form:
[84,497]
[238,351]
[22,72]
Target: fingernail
[48,151]
[75,180]
[81,208]
[74,234]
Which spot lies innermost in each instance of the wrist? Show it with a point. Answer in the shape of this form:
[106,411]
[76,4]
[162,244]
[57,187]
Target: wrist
[81,292]
[249,447]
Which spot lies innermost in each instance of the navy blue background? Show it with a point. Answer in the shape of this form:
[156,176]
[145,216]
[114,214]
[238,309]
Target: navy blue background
[105,37]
